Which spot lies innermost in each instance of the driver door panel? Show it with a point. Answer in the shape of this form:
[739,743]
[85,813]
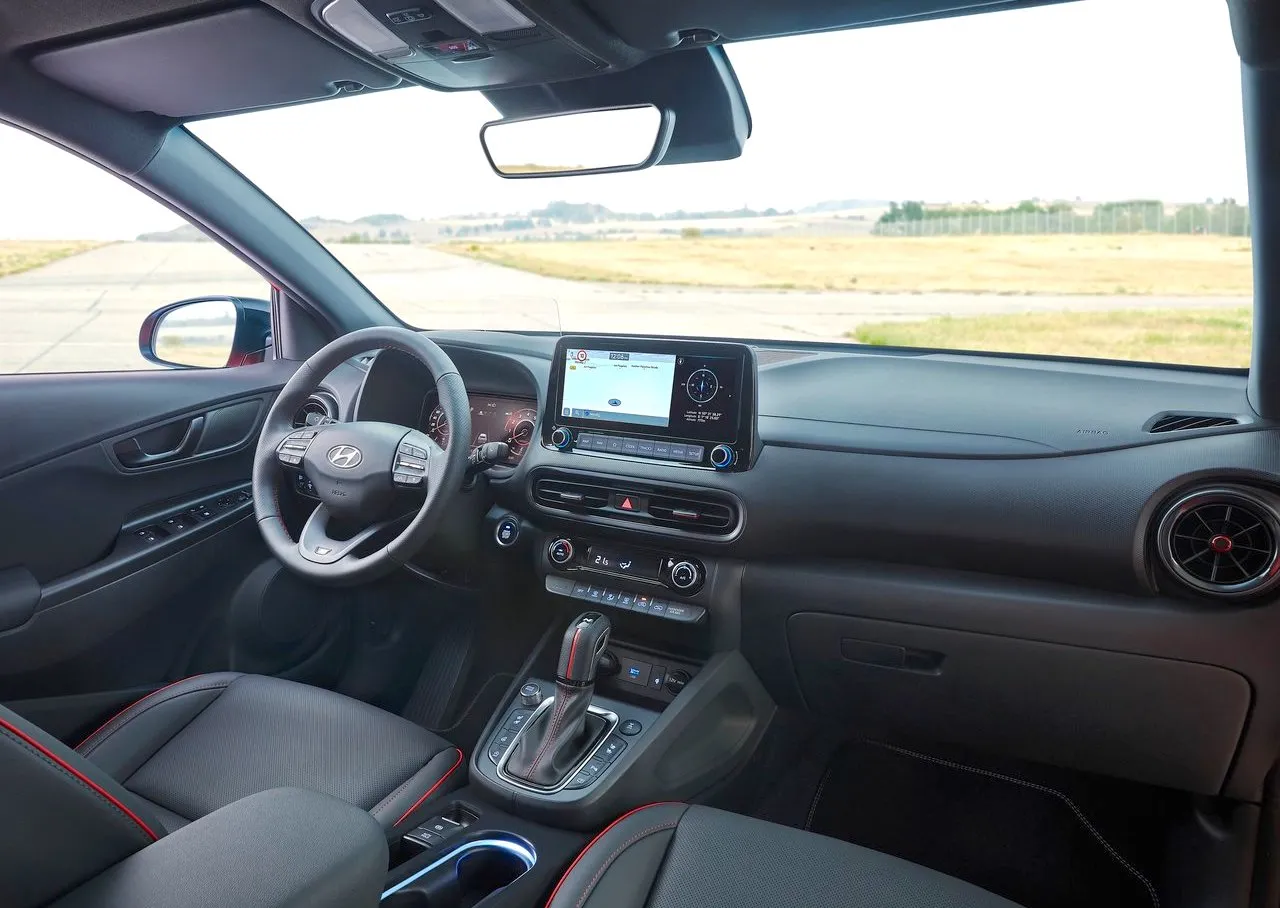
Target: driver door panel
[128,523]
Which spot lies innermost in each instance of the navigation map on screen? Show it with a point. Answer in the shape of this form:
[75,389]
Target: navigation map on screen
[625,387]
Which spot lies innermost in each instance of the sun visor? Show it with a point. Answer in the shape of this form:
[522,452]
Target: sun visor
[239,59]
[663,24]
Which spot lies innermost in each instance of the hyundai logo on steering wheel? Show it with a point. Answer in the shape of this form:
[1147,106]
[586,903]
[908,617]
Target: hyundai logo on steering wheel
[344,457]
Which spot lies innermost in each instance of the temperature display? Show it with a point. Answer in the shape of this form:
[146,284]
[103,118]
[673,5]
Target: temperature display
[624,561]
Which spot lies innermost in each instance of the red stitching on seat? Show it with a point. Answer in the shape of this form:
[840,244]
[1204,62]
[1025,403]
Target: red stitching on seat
[599,836]
[82,777]
[431,790]
[103,726]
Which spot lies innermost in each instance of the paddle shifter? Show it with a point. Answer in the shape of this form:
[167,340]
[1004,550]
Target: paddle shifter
[558,738]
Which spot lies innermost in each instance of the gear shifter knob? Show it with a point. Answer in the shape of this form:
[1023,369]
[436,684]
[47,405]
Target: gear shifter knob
[584,642]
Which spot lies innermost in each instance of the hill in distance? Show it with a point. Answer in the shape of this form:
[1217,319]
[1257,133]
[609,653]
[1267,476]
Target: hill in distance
[389,227]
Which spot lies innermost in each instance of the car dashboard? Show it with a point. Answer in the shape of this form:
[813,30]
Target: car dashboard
[971,549]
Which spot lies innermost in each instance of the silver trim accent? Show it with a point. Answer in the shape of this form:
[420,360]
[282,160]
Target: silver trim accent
[518,848]
[611,720]
[1266,508]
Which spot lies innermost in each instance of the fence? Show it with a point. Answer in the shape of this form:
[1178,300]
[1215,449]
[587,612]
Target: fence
[1219,220]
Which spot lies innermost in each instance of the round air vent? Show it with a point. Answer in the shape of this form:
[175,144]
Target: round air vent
[320,407]
[1222,541]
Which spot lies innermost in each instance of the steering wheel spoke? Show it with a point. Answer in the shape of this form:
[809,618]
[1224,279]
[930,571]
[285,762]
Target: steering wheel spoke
[293,447]
[317,546]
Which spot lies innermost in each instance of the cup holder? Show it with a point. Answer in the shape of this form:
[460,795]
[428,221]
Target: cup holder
[465,876]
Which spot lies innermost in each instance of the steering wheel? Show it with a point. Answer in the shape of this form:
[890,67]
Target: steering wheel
[368,475]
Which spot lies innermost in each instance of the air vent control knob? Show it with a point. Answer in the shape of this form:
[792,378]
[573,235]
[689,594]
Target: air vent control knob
[560,552]
[685,575]
[561,437]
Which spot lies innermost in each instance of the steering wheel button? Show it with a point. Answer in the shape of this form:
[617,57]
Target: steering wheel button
[408,479]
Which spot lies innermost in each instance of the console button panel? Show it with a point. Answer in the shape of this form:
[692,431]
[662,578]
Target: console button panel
[681,612]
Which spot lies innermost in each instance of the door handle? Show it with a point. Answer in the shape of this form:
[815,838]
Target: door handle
[131,454]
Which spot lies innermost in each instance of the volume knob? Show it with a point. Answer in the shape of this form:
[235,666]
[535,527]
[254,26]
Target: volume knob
[561,437]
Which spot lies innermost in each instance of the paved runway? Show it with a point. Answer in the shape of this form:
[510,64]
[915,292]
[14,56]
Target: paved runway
[83,313]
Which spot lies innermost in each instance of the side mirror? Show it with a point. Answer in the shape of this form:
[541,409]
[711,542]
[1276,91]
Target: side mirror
[207,333]
[608,140]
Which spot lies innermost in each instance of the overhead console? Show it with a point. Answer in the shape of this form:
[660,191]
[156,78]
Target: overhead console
[684,403]
[458,43]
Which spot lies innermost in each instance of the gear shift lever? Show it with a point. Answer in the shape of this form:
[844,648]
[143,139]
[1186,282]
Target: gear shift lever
[559,737]
[583,645]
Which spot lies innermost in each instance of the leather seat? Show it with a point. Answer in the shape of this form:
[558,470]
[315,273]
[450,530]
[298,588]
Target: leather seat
[678,856]
[201,743]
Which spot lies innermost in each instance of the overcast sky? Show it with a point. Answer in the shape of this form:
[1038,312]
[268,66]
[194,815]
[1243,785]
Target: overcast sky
[1100,99]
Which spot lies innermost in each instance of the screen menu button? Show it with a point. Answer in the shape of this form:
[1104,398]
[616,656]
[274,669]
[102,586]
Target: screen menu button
[641,447]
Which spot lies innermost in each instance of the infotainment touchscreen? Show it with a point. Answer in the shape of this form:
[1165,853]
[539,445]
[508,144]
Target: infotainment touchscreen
[619,386]
[684,401]
[689,395]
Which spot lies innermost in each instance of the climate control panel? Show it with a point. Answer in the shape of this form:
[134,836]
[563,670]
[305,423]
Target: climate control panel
[683,574]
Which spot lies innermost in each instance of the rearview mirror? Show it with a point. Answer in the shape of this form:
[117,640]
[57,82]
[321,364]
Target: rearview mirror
[609,140]
[207,333]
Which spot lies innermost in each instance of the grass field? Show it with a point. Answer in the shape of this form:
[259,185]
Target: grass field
[1098,265]
[1206,337]
[23,255]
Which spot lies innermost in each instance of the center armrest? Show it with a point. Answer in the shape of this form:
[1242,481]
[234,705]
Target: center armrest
[284,848]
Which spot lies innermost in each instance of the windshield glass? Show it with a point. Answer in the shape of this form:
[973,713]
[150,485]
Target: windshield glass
[1065,180]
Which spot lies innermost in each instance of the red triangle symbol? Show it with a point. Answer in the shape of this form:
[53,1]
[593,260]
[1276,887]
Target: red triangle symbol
[627,505]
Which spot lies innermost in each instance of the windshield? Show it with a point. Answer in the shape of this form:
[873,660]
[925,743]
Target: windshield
[1065,180]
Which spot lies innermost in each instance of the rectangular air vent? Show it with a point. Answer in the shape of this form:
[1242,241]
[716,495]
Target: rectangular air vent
[693,511]
[574,496]
[1183,422]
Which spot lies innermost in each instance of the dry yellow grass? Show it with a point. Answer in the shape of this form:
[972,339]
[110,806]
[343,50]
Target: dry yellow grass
[1202,337]
[23,255]
[1139,264]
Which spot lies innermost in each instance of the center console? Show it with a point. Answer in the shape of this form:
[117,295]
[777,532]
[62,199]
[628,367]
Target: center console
[623,511]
